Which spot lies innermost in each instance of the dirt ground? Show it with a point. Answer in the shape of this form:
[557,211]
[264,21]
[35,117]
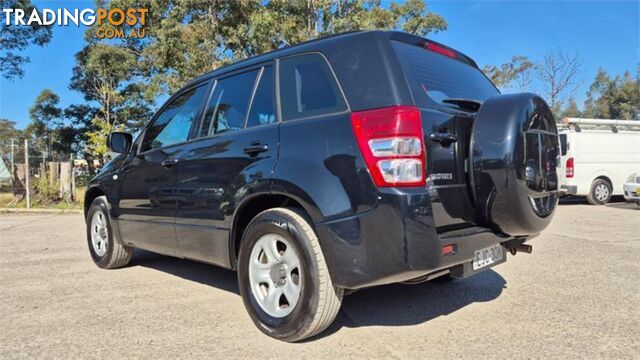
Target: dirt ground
[576,296]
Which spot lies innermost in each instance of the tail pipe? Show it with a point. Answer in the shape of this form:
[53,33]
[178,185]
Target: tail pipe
[525,248]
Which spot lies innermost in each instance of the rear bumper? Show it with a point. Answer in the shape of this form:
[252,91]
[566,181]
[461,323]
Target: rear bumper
[397,241]
[631,191]
[568,189]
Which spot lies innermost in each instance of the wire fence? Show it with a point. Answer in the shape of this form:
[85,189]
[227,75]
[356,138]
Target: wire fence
[37,176]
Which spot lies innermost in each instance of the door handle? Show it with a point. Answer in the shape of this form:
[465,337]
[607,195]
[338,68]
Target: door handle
[169,163]
[256,148]
[444,138]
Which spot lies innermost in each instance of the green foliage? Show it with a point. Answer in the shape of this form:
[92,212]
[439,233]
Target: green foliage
[96,140]
[14,39]
[106,75]
[46,192]
[614,98]
[45,118]
[571,110]
[518,70]
[45,110]
[185,38]
[8,131]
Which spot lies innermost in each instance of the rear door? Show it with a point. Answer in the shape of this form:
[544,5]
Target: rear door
[448,89]
[234,152]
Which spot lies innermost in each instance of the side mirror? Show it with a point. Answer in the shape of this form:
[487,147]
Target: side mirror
[119,142]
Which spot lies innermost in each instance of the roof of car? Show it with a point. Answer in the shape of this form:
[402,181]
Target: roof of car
[309,45]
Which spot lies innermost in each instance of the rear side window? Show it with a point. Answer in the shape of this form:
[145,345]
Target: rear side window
[263,105]
[227,108]
[308,87]
[172,125]
[441,77]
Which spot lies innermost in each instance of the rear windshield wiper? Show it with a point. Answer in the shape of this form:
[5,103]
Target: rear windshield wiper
[467,104]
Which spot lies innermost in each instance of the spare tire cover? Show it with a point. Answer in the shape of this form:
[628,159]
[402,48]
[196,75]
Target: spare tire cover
[514,151]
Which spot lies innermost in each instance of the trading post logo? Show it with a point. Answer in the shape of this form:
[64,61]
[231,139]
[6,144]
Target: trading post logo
[133,18]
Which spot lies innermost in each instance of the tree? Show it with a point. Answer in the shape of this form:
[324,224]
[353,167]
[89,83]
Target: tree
[106,75]
[571,110]
[614,98]
[10,139]
[558,74]
[45,116]
[81,118]
[14,39]
[8,131]
[185,38]
[517,71]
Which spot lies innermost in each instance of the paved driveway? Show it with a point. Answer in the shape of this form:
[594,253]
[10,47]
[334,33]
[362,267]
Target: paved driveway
[577,295]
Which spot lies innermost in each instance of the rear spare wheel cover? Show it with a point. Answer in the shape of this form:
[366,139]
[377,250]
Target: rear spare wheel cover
[514,151]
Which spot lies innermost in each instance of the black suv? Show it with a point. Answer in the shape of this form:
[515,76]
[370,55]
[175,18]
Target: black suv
[341,163]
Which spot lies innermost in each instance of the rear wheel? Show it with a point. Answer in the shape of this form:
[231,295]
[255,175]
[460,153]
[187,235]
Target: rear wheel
[600,193]
[105,252]
[283,277]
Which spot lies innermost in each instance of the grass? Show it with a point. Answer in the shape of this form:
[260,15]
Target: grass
[7,197]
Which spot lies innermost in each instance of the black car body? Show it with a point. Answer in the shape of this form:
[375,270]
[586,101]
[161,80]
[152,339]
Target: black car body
[290,129]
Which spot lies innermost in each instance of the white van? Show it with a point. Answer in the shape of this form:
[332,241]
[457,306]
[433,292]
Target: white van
[597,157]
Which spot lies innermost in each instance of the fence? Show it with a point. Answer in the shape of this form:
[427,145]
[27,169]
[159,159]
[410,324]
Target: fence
[34,176]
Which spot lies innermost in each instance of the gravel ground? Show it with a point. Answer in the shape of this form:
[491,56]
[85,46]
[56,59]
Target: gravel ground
[576,296]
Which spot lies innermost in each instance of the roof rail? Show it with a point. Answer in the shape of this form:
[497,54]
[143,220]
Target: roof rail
[583,121]
[595,124]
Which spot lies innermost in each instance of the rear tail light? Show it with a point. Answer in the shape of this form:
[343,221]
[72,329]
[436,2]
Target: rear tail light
[392,143]
[569,168]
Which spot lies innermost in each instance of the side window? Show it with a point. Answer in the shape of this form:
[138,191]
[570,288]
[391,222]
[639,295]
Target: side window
[308,87]
[228,104]
[173,124]
[263,106]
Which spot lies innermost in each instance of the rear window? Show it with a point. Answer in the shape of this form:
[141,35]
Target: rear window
[308,87]
[563,144]
[441,77]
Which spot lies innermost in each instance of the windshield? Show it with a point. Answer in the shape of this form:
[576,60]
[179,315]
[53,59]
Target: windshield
[444,78]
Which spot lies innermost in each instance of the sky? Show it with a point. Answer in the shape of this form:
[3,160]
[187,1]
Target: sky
[605,33]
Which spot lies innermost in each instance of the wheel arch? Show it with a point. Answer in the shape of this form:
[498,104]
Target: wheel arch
[605,178]
[91,194]
[251,207]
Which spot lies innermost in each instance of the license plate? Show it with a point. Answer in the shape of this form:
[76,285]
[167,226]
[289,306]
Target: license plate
[487,256]
[638,190]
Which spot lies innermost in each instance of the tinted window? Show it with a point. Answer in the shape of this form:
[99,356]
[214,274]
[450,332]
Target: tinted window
[563,144]
[262,107]
[228,104]
[308,88]
[173,124]
[442,77]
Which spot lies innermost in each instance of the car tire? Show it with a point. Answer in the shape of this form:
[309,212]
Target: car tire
[280,256]
[638,203]
[105,251]
[600,193]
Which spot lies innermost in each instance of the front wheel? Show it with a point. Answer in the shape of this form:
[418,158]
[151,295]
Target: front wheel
[600,193]
[283,277]
[105,251]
